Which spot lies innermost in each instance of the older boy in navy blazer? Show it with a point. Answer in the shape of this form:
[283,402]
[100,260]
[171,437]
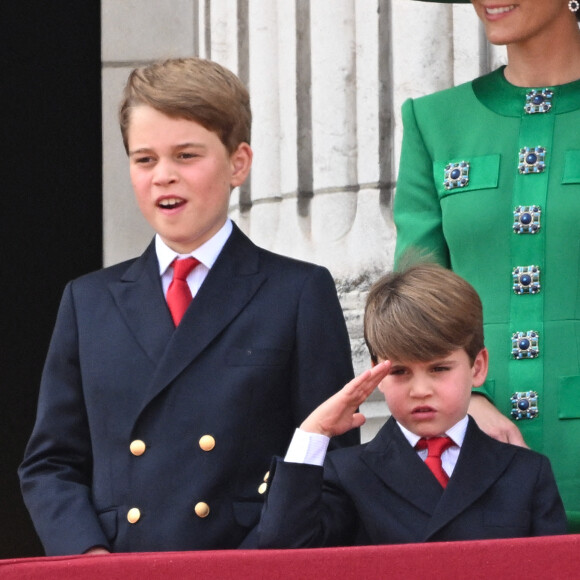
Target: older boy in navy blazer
[154,431]
[423,327]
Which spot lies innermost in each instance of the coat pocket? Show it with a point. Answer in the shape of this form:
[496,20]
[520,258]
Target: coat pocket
[512,519]
[247,513]
[483,173]
[108,521]
[571,167]
[569,398]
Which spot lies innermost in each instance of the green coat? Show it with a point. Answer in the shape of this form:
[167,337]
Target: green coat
[472,229]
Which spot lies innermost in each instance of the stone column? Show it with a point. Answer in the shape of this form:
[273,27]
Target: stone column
[265,91]
[222,31]
[334,114]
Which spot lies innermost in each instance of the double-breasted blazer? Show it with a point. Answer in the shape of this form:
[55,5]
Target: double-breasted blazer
[150,437]
[383,493]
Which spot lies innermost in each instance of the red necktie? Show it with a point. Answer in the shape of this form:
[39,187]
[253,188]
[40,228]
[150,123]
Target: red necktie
[435,447]
[178,293]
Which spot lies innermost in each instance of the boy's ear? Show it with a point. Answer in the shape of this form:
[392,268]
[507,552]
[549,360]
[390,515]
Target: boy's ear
[480,365]
[241,162]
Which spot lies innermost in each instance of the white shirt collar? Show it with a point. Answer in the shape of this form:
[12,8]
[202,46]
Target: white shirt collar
[457,433]
[207,253]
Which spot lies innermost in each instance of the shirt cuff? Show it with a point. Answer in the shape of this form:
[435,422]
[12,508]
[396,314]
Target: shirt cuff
[307,448]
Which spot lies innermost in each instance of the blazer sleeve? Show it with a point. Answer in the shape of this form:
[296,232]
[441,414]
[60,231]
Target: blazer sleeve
[56,471]
[304,508]
[322,362]
[548,514]
[417,211]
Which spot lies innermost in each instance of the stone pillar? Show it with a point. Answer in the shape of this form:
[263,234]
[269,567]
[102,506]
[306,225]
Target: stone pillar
[265,90]
[222,32]
[467,44]
[334,130]
[290,106]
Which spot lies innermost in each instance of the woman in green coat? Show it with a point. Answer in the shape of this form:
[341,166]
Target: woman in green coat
[489,184]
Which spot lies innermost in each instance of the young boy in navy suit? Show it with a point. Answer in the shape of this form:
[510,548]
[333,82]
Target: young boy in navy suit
[158,414]
[423,328]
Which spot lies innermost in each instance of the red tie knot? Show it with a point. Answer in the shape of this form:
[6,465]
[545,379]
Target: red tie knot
[182,267]
[435,445]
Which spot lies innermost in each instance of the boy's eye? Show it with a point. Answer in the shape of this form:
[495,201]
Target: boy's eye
[397,371]
[440,369]
[187,155]
[143,160]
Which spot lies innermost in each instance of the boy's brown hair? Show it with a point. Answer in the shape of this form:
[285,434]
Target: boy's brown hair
[194,89]
[422,313]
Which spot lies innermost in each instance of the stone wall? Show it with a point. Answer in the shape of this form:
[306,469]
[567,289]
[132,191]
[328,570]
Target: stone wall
[327,79]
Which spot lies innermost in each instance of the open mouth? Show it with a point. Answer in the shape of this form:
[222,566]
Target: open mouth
[499,10]
[170,202]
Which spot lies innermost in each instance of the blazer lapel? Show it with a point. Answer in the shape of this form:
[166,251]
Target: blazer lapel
[481,461]
[230,285]
[139,297]
[397,464]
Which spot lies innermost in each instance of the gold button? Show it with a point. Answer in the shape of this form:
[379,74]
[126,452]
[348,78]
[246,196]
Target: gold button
[267,476]
[263,487]
[133,515]
[137,447]
[207,442]
[202,509]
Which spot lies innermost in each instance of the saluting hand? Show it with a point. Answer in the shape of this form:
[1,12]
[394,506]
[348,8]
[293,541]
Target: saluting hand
[339,414]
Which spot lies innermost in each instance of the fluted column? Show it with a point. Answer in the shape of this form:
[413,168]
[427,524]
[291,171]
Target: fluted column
[334,111]
[223,32]
[264,87]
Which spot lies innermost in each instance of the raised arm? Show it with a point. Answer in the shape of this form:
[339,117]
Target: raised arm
[300,510]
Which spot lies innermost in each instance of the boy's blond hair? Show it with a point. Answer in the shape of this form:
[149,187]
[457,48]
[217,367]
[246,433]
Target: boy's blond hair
[194,89]
[422,313]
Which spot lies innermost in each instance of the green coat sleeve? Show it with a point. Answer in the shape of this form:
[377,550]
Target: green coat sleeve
[417,209]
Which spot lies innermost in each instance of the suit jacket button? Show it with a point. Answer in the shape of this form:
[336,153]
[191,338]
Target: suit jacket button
[201,509]
[263,487]
[133,515]
[207,442]
[137,447]
[267,476]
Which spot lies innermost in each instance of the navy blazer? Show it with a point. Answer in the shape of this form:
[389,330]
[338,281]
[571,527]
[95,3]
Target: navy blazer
[262,344]
[383,493]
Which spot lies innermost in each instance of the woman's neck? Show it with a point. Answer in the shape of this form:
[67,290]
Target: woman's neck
[556,61]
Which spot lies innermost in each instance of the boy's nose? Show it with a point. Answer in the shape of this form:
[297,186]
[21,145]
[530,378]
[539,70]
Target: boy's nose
[164,174]
[420,387]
